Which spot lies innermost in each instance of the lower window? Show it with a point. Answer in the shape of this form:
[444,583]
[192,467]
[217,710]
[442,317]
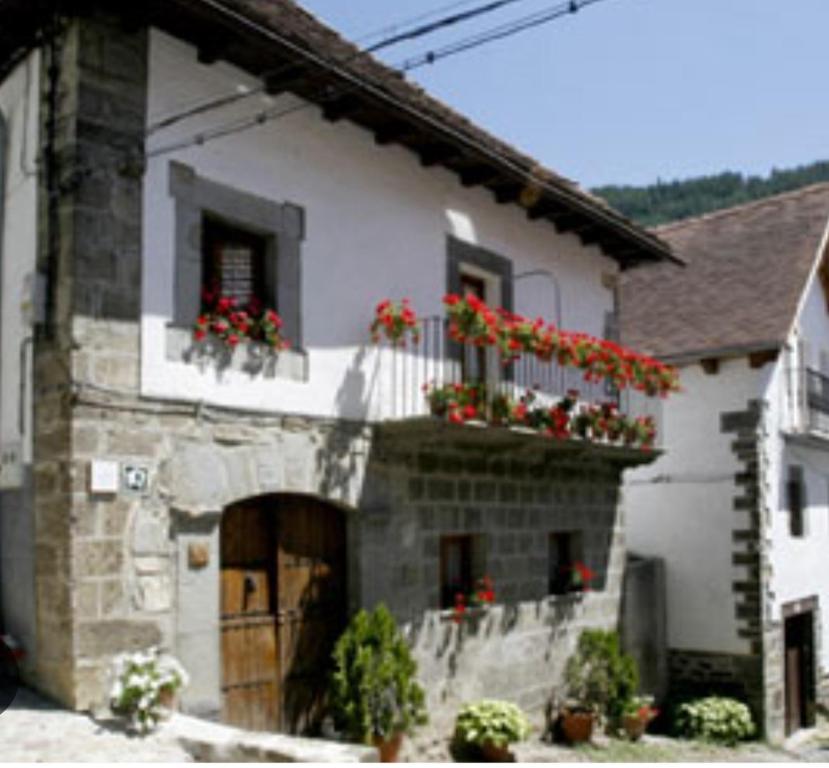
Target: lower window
[567,572]
[457,568]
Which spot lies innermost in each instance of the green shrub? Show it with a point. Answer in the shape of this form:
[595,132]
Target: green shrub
[714,718]
[600,676]
[374,693]
[490,720]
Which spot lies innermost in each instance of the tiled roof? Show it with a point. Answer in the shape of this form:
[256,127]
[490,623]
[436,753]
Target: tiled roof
[745,270]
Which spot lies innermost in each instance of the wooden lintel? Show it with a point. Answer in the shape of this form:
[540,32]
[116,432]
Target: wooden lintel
[340,108]
[479,175]
[711,365]
[507,194]
[209,53]
[759,359]
[589,235]
[437,154]
[387,134]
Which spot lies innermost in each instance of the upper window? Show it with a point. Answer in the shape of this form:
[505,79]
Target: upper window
[231,242]
[234,264]
[796,498]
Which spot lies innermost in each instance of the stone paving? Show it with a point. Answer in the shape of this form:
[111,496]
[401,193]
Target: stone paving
[35,730]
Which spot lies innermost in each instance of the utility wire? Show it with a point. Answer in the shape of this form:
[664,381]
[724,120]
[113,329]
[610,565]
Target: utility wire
[395,27]
[330,94]
[444,23]
[497,33]
[388,42]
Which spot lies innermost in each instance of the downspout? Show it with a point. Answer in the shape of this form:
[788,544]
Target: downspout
[4,135]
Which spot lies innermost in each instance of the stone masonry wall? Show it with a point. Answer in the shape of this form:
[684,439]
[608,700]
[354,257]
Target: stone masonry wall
[135,585]
[93,93]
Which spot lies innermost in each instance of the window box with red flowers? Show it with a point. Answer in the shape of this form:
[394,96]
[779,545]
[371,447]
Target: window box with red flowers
[228,336]
[472,605]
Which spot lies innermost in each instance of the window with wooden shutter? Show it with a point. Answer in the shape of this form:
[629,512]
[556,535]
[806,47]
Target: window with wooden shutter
[796,498]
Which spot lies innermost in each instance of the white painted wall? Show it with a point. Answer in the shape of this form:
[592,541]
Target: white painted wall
[799,566]
[681,507]
[19,105]
[377,224]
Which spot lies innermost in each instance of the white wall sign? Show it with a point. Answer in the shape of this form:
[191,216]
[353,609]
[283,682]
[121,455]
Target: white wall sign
[103,476]
[11,466]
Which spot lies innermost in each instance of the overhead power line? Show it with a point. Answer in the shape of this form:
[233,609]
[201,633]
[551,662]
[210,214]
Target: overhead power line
[440,24]
[397,38]
[394,27]
[359,82]
[497,33]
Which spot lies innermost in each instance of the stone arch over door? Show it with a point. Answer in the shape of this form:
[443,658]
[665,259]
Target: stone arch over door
[200,483]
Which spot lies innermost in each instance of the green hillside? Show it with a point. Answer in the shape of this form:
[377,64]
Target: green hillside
[668,201]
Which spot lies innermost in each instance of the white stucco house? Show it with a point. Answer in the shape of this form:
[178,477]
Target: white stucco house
[236,507]
[738,506]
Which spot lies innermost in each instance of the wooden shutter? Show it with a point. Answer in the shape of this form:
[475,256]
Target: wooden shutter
[285,266]
[187,279]
[797,502]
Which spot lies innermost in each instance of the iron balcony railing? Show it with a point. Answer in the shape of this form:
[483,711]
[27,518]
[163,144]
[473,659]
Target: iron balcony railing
[817,397]
[434,360]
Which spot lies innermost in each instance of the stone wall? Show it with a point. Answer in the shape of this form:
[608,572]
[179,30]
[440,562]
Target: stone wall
[94,95]
[403,488]
[511,492]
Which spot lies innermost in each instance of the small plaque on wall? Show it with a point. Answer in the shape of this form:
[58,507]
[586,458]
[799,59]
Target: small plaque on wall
[198,555]
[104,476]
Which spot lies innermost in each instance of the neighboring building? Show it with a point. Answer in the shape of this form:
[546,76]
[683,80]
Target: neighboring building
[738,506]
[235,509]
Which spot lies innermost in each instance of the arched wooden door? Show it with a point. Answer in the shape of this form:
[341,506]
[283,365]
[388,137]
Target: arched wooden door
[283,606]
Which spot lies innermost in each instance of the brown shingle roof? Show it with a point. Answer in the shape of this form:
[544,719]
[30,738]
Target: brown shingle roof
[746,268]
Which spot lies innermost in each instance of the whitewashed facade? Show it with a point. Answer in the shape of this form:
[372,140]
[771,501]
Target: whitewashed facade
[740,560]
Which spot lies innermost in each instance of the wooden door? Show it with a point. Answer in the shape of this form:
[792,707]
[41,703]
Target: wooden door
[250,672]
[800,672]
[283,608]
[312,605]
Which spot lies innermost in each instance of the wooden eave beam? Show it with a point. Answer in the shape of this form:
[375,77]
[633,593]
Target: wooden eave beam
[438,154]
[481,174]
[389,133]
[339,108]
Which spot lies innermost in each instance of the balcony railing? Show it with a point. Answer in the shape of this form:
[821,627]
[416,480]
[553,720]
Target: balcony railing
[817,400]
[434,360]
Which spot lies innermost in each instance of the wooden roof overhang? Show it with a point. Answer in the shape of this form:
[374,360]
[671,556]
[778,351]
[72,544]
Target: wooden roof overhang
[373,97]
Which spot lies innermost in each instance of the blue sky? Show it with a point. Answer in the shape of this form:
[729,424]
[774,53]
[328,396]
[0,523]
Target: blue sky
[628,91]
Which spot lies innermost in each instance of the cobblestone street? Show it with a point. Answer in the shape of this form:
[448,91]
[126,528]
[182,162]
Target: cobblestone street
[35,730]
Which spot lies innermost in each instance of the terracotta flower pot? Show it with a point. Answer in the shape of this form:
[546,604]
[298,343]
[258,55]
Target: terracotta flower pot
[493,753]
[634,726]
[389,748]
[167,699]
[577,727]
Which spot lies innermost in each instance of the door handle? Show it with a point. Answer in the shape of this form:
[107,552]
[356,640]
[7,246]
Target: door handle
[248,588]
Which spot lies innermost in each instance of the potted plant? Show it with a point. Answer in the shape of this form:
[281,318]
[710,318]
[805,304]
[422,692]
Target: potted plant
[375,696]
[601,679]
[491,726]
[144,688]
[395,321]
[637,715]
